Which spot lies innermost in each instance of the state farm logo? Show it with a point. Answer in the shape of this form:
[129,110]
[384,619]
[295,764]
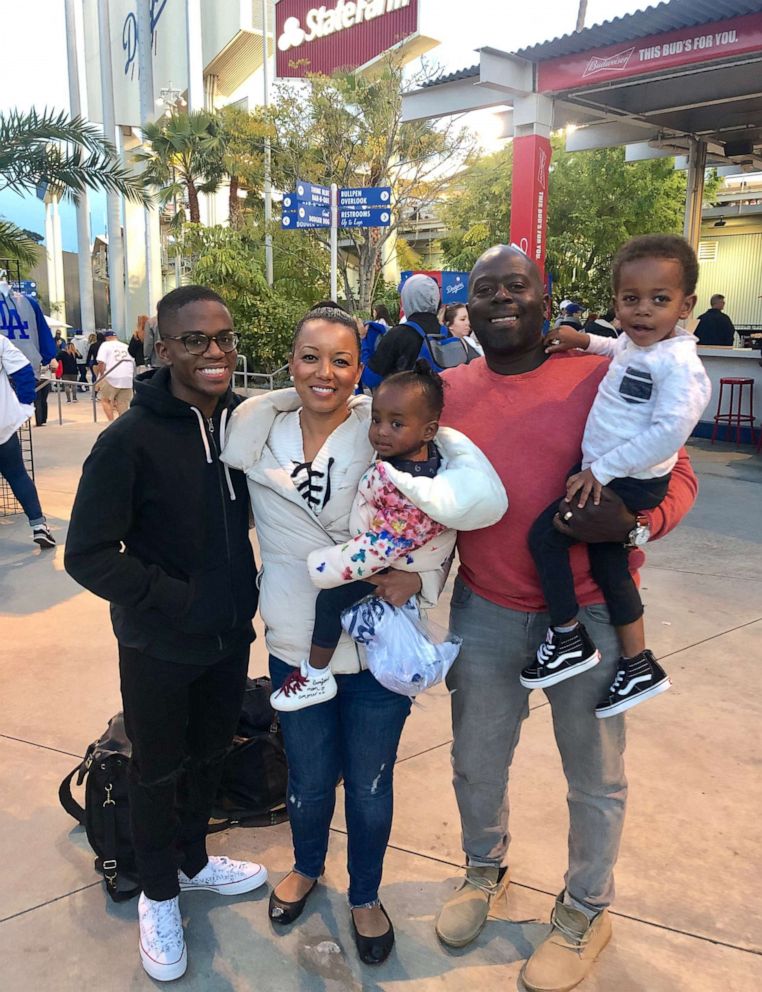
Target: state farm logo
[319,22]
[619,61]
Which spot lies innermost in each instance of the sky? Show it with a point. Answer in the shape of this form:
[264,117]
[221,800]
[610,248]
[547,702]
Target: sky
[33,68]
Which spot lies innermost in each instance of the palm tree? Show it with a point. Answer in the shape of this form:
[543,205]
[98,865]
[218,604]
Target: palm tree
[185,157]
[67,154]
[244,136]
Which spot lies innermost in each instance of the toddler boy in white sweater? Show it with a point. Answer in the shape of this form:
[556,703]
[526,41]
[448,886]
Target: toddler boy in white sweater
[647,406]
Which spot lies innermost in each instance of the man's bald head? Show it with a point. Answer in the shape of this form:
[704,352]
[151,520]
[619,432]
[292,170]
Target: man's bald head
[505,253]
[506,304]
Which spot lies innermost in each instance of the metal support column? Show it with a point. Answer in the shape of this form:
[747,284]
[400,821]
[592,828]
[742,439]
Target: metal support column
[113,200]
[694,194]
[268,190]
[147,115]
[84,263]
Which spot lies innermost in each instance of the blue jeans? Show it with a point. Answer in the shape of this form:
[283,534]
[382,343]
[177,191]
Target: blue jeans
[15,474]
[489,706]
[355,734]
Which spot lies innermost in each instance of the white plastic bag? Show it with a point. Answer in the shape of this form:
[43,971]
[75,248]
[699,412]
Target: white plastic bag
[404,652]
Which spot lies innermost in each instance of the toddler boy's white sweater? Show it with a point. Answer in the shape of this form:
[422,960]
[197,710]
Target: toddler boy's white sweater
[647,406]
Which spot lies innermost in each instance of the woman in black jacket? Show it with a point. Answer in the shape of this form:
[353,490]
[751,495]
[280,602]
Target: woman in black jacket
[68,358]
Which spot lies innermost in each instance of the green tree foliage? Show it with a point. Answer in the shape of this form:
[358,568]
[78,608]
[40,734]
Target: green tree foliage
[67,154]
[596,202]
[184,158]
[477,214]
[231,261]
[347,129]
[244,136]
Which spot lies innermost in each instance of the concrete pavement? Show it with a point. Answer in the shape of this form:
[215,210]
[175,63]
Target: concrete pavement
[687,915]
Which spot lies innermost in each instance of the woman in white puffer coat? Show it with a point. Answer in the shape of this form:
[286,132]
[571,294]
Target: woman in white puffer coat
[304,452]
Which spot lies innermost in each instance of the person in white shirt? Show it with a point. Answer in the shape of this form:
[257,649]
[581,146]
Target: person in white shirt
[17,386]
[117,366]
[648,403]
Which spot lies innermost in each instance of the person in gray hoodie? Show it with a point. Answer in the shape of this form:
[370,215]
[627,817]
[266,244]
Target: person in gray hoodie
[399,348]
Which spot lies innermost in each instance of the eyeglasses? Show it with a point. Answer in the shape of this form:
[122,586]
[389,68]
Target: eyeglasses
[197,343]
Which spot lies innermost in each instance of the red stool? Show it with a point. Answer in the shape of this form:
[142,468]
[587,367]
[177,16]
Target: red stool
[733,416]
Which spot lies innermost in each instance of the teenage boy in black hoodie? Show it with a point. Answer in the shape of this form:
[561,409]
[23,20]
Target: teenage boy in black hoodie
[160,529]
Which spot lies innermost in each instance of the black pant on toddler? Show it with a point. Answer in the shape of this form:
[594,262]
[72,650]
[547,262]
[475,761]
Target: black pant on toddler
[328,609]
[608,560]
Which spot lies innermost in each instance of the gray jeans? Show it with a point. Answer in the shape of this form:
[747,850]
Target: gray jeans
[489,705]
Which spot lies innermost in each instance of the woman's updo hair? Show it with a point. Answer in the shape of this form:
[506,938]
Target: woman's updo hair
[422,376]
[451,312]
[333,315]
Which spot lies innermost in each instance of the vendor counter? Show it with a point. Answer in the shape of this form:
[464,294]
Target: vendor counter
[730,363]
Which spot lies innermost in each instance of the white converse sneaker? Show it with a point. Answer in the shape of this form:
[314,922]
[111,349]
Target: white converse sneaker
[302,689]
[227,877]
[162,942]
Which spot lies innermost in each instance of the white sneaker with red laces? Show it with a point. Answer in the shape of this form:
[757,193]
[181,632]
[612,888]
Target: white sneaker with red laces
[225,876]
[304,687]
[162,942]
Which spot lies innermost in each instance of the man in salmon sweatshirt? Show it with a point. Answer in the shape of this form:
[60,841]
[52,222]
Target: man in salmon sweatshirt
[526,410]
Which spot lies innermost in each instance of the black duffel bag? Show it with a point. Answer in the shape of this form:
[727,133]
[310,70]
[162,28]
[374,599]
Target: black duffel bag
[106,813]
[254,781]
[252,790]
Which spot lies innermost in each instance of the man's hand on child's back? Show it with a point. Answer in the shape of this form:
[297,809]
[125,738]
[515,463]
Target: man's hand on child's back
[609,521]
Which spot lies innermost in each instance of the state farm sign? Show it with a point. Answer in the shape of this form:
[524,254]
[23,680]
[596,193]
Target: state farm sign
[338,35]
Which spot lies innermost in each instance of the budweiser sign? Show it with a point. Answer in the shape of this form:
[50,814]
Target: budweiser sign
[688,46]
[619,61]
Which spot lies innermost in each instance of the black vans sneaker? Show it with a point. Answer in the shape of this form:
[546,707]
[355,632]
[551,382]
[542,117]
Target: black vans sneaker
[41,535]
[636,679]
[560,657]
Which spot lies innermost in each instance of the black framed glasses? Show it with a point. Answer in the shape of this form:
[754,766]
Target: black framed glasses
[197,343]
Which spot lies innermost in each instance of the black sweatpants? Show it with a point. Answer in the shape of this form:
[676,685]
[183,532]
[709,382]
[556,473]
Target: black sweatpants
[180,719]
[608,561]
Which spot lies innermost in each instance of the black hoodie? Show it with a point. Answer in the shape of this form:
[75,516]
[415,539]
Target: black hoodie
[183,587]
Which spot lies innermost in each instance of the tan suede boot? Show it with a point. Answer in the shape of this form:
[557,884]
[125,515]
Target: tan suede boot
[464,914]
[566,955]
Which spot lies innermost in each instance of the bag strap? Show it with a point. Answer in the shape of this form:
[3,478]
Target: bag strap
[108,864]
[68,801]
[270,819]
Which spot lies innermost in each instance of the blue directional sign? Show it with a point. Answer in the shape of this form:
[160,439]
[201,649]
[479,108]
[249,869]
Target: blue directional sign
[308,215]
[309,206]
[289,211]
[367,206]
[313,205]
[297,213]
[314,195]
[365,196]
[365,217]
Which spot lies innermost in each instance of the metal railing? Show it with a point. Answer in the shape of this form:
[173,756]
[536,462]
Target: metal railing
[242,378]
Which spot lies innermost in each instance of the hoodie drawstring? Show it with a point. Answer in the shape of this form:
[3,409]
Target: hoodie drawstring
[223,421]
[201,428]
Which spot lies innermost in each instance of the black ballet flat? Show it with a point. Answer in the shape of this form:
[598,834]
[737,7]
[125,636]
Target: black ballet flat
[374,950]
[283,912]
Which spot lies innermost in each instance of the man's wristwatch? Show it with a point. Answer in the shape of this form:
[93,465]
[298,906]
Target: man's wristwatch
[640,533]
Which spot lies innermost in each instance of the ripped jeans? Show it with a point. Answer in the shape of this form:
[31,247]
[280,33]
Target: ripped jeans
[180,719]
[354,735]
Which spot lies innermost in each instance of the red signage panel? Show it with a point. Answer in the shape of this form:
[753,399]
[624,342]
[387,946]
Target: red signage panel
[338,34]
[529,196]
[688,46]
